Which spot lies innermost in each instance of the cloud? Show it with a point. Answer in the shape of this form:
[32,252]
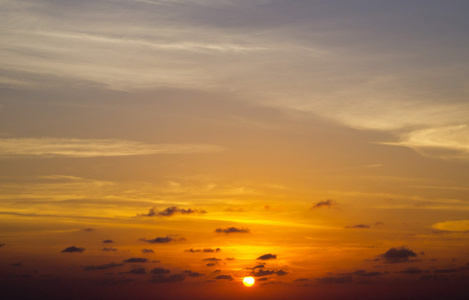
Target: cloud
[327,203]
[448,142]
[144,250]
[232,230]
[159,271]
[136,260]
[335,280]
[89,229]
[455,226]
[411,271]
[102,267]
[256,267]
[73,249]
[162,240]
[56,147]
[212,264]
[206,250]
[170,211]
[262,272]
[398,255]
[1,245]
[267,256]
[192,274]
[445,271]
[108,241]
[224,277]
[363,273]
[166,279]
[138,271]
[212,259]
[109,249]
[359,226]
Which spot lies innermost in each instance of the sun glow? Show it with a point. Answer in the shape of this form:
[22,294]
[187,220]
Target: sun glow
[248,281]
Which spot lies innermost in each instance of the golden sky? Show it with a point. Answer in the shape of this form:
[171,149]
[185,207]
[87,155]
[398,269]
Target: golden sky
[166,149]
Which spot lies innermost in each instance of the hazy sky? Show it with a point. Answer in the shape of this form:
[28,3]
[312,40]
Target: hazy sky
[170,148]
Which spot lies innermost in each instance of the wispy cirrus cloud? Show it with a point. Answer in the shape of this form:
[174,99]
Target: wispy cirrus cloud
[80,148]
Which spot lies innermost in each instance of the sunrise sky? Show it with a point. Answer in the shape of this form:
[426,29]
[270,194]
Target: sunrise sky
[167,149]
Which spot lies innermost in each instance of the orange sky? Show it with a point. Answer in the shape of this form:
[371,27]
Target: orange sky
[167,149]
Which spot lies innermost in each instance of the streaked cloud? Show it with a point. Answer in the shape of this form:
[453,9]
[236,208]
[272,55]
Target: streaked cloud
[232,230]
[73,249]
[170,211]
[76,148]
[457,226]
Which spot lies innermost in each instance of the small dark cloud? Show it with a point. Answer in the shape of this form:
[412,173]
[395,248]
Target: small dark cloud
[261,266]
[144,250]
[364,273]
[398,255]
[88,229]
[230,258]
[327,203]
[379,223]
[166,279]
[138,271]
[336,280]
[301,279]
[17,264]
[443,271]
[359,226]
[73,249]
[108,241]
[411,271]
[235,209]
[162,240]
[267,256]
[213,264]
[170,211]
[262,279]
[262,273]
[232,230]
[136,260]
[160,271]
[206,250]
[224,277]
[109,249]
[212,259]
[102,267]
[1,245]
[192,274]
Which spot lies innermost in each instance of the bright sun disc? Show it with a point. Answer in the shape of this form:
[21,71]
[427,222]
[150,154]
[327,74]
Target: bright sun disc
[248,281]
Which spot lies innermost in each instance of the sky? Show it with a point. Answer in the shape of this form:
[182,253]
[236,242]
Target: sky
[166,149]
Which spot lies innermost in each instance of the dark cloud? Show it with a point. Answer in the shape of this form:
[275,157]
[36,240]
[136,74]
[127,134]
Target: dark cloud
[398,255]
[327,203]
[138,271]
[224,277]
[171,211]
[364,273]
[192,274]
[212,264]
[261,266]
[301,279]
[108,241]
[379,223]
[267,256]
[231,230]
[88,229]
[109,249]
[160,271]
[212,259]
[18,264]
[360,226]
[262,273]
[338,280]
[1,245]
[102,267]
[136,260]
[144,250]
[262,279]
[230,258]
[411,271]
[206,250]
[73,249]
[162,240]
[445,270]
[166,279]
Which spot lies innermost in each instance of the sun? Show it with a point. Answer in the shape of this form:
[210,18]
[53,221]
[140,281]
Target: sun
[248,281]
